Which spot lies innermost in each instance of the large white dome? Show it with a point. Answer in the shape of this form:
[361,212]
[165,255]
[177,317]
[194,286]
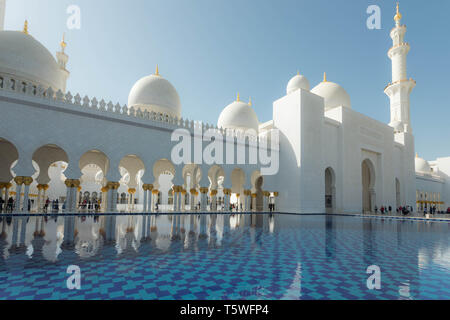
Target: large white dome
[334,95]
[154,93]
[422,165]
[238,116]
[25,58]
[297,82]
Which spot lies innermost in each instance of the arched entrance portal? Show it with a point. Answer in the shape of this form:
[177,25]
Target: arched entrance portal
[368,185]
[330,191]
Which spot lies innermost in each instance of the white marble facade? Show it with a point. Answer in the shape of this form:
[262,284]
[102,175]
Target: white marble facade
[59,145]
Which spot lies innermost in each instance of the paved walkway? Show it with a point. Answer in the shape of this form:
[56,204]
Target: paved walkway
[414,215]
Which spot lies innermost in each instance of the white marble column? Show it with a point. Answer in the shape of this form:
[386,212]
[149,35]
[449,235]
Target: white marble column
[183,200]
[26,193]
[192,198]
[203,198]
[248,199]
[144,203]
[19,182]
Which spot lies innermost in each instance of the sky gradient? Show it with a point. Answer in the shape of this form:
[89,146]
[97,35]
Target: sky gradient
[210,50]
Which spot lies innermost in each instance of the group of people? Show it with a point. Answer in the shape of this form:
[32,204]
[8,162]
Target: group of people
[388,209]
[6,206]
[431,210]
[53,205]
[408,209]
[89,205]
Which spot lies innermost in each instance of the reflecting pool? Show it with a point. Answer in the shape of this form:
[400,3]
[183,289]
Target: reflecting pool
[240,256]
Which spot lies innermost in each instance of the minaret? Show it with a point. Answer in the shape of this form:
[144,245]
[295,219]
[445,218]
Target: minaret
[63,58]
[400,88]
[2,14]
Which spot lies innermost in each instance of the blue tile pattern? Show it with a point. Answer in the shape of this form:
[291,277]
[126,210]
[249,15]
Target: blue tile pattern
[280,257]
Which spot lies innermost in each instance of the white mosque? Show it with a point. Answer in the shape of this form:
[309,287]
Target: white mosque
[331,158]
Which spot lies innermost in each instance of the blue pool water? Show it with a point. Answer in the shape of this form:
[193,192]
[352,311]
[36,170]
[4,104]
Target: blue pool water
[223,257]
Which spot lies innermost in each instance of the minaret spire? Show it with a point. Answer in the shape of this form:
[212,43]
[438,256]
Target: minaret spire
[400,88]
[63,43]
[25,27]
[398,16]
[62,59]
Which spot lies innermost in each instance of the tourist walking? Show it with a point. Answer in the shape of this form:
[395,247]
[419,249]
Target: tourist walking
[10,205]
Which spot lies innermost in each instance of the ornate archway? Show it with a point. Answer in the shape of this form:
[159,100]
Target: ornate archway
[368,185]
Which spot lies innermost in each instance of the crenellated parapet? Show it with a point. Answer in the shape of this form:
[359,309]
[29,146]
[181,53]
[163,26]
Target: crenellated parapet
[82,104]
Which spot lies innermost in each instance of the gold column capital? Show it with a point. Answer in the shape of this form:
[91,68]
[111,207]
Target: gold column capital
[204,190]
[213,192]
[147,187]
[177,188]
[227,191]
[27,181]
[132,190]
[18,180]
[72,183]
[113,185]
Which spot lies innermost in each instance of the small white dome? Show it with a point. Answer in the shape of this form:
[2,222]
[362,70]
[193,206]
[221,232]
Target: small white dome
[238,116]
[297,82]
[422,165]
[25,58]
[154,93]
[334,95]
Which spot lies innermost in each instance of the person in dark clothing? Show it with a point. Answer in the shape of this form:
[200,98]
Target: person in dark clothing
[10,205]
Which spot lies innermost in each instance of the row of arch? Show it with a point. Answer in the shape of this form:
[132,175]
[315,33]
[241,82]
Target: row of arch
[426,200]
[132,177]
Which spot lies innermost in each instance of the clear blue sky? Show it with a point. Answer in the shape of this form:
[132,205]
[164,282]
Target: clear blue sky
[211,49]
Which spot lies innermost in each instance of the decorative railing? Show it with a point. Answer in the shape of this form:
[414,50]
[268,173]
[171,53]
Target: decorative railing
[85,103]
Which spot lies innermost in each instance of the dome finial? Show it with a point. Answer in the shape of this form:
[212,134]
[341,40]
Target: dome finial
[324,77]
[298,72]
[157,71]
[63,42]
[25,27]
[398,16]
[250,101]
[417,155]
[238,97]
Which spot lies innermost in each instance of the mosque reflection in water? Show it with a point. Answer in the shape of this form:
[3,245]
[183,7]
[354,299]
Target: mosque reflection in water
[286,256]
[49,236]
